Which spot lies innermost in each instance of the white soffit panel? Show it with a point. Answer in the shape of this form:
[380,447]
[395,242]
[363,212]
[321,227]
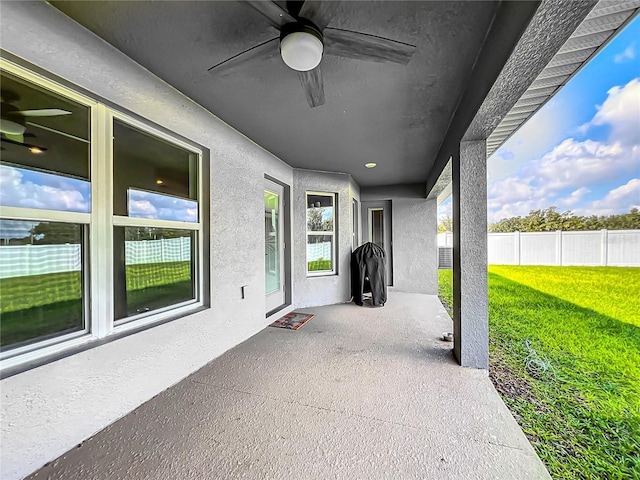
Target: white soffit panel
[600,26]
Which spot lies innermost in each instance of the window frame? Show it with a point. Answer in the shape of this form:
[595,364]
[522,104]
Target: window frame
[142,319]
[332,233]
[98,255]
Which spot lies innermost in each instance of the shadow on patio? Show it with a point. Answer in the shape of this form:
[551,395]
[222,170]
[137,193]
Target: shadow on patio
[358,392]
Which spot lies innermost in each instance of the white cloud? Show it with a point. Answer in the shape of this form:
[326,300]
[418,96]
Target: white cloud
[15,191]
[562,177]
[572,166]
[572,199]
[166,207]
[621,110]
[626,55]
[619,200]
[142,209]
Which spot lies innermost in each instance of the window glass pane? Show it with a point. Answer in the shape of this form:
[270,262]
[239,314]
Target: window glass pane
[45,148]
[320,213]
[145,164]
[320,253]
[271,241]
[377,226]
[41,272]
[154,268]
[163,207]
[20,187]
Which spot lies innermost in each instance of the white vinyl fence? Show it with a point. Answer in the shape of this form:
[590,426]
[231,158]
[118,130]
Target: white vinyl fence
[616,248]
[317,251]
[26,260]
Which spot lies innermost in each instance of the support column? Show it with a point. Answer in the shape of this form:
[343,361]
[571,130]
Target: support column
[470,295]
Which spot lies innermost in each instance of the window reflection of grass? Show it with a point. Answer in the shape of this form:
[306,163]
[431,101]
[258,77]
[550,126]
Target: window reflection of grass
[39,305]
[585,422]
[19,293]
[319,265]
[159,296]
[145,275]
[29,323]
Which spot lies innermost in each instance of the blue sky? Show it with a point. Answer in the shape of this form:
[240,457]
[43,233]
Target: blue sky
[581,151]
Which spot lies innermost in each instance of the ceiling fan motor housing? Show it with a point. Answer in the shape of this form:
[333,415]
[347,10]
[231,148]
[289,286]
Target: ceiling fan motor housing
[301,45]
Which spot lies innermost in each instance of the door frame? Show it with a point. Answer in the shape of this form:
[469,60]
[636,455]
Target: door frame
[355,224]
[286,237]
[386,207]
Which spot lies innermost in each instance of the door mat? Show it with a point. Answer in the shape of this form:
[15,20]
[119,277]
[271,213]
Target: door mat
[293,321]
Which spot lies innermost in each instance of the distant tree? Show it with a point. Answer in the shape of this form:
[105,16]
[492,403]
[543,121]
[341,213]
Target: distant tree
[549,220]
[48,233]
[151,233]
[445,224]
[513,224]
[316,221]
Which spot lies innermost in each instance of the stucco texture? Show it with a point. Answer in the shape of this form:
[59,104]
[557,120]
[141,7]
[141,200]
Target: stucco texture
[414,236]
[47,410]
[415,245]
[325,289]
[470,292]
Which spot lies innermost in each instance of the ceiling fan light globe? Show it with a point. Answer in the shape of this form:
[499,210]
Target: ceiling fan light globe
[11,127]
[301,51]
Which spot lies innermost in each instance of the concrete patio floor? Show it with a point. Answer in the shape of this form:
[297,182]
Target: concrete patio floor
[358,393]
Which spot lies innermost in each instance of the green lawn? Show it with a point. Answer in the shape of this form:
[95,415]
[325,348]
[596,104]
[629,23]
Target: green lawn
[321,265]
[583,414]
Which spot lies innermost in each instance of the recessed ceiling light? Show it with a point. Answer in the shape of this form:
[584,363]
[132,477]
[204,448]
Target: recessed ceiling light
[159,182]
[35,150]
[370,165]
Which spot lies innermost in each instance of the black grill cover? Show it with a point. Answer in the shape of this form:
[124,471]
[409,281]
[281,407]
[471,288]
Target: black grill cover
[368,268]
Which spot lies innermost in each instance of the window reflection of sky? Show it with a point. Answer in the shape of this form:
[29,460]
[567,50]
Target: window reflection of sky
[20,187]
[161,207]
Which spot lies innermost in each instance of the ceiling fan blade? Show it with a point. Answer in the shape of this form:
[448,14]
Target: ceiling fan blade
[244,56]
[362,46]
[313,86]
[276,15]
[15,137]
[319,12]
[32,147]
[43,112]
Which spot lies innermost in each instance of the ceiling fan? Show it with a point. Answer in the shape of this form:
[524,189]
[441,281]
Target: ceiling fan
[13,121]
[305,37]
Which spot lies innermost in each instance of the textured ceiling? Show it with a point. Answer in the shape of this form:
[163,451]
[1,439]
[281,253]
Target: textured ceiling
[394,115]
[602,23]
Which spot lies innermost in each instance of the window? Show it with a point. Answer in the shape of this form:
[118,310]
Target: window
[45,202]
[155,206]
[321,233]
[101,228]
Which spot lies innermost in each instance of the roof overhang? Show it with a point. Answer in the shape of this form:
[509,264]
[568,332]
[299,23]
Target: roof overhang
[597,29]
[560,39]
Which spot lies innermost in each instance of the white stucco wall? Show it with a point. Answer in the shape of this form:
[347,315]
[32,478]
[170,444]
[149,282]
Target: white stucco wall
[415,231]
[326,289]
[50,409]
[414,236]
